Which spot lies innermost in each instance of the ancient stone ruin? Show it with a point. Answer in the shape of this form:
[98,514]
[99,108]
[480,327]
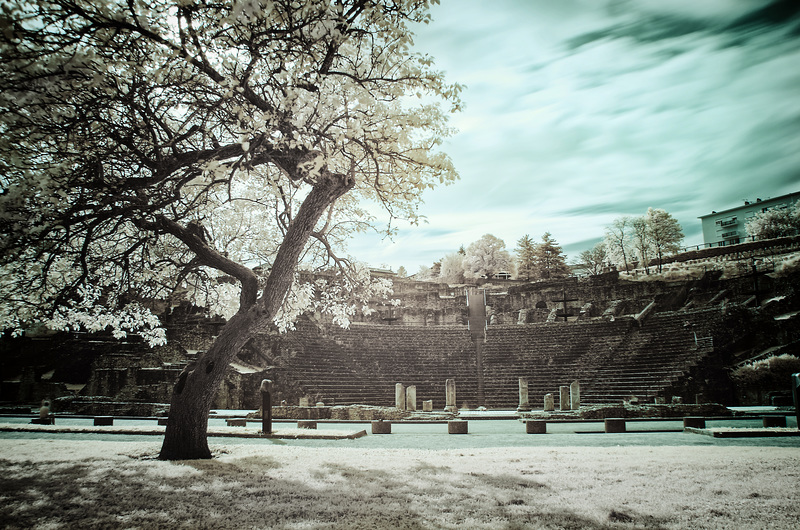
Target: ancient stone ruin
[608,340]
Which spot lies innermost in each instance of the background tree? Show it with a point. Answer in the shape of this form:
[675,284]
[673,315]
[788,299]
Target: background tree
[486,257]
[150,147]
[549,261]
[777,222]
[641,241]
[401,272]
[595,259]
[452,269]
[617,238]
[526,255]
[665,233]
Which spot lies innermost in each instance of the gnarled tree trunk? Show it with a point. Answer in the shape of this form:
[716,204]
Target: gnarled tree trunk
[187,426]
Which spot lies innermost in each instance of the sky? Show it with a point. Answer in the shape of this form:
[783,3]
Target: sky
[582,111]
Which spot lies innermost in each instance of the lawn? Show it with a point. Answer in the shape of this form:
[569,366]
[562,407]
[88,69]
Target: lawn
[94,484]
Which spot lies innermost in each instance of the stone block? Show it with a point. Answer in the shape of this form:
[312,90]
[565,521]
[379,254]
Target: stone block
[104,421]
[696,422]
[381,427]
[305,401]
[614,425]
[536,427]
[774,421]
[163,421]
[306,424]
[427,406]
[236,422]
[457,427]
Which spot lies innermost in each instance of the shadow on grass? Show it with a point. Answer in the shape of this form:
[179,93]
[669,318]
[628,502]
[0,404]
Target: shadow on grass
[251,492]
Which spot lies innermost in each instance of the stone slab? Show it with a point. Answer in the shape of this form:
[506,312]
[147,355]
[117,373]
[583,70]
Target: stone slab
[733,432]
[224,432]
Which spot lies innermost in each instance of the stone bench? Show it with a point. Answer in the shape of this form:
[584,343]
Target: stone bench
[103,421]
[236,422]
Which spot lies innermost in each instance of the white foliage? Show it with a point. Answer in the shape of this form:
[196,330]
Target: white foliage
[90,315]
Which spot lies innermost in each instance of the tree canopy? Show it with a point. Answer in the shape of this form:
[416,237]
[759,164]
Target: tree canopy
[775,222]
[149,148]
[656,234]
[526,257]
[486,257]
[549,260]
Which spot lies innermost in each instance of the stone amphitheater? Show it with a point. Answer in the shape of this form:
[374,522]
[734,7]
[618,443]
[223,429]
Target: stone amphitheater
[622,337]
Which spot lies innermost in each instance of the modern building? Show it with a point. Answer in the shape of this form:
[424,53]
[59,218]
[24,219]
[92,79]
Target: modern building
[728,226]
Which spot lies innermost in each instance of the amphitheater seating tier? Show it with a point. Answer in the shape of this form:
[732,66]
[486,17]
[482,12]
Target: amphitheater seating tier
[612,360]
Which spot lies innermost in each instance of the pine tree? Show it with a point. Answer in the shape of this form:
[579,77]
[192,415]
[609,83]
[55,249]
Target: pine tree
[526,257]
[550,262]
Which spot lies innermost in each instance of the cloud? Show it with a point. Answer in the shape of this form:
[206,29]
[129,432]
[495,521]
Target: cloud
[580,111]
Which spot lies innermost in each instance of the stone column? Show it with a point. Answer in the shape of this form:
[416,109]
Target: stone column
[400,396]
[575,395]
[411,398]
[524,404]
[549,403]
[450,396]
[564,395]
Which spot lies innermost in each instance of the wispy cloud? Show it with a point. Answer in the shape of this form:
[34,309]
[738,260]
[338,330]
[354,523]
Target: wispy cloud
[578,112]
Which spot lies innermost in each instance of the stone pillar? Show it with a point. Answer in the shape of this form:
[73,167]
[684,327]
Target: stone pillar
[411,398]
[400,396]
[427,406]
[266,406]
[575,395]
[523,394]
[450,396]
[563,403]
[549,403]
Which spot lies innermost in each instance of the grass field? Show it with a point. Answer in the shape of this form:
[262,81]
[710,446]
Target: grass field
[94,484]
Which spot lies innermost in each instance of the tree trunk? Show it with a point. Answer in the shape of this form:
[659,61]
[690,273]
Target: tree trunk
[193,394]
[187,426]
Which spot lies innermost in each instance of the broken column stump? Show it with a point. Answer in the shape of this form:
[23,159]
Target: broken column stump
[564,397]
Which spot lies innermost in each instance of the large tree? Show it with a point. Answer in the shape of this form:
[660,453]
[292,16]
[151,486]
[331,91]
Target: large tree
[664,232]
[149,147]
[594,259]
[486,257]
[618,239]
[641,241]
